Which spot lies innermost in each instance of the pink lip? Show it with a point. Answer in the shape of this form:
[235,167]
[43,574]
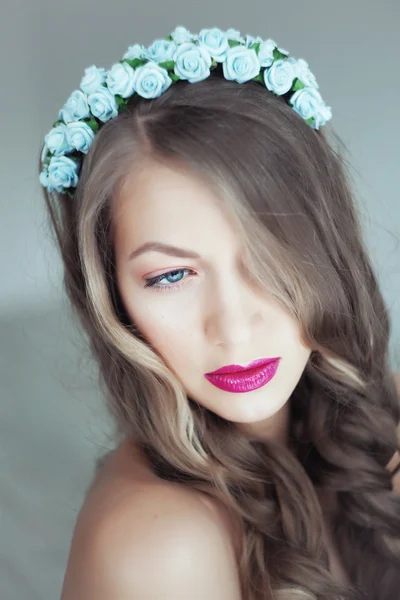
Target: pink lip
[236,368]
[238,379]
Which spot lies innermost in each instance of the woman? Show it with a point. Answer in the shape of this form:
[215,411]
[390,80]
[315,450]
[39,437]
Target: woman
[273,478]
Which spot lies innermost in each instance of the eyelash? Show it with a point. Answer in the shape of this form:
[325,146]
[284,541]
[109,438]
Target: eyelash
[152,281]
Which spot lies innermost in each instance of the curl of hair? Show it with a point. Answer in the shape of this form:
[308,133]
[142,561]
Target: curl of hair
[289,188]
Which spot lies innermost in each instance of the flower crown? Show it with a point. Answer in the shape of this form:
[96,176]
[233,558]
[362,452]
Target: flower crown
[149,72]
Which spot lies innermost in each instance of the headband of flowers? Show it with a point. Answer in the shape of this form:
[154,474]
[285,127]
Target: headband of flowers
[149,72]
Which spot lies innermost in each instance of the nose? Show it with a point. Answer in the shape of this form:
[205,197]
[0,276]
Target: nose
[232,315]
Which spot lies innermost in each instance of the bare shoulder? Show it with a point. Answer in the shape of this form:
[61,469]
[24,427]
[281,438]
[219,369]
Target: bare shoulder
[148,539]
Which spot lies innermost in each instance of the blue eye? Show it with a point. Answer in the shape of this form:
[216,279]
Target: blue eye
[170,275]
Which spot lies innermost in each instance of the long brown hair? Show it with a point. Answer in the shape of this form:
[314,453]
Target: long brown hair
[293,197]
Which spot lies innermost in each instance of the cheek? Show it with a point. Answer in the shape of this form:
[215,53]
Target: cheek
[167,332]
[175,347]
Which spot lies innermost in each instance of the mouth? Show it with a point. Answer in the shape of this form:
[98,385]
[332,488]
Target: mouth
[238,379]
[259,362]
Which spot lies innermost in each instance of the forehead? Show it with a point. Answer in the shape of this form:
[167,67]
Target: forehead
[159,199]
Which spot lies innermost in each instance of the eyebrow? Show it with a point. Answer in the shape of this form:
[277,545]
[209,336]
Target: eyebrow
[165,249]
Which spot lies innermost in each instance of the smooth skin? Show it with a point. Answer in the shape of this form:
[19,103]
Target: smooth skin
[137,537]
[206,312]
[159,543]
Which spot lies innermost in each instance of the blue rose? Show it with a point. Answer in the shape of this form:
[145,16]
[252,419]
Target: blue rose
[215,42]
[57,140]
[241,64]
[252,40]
[322,116]
[151,80]
[44,178]
[309,104]
[304,74]
[92,79]
[192,62]
[266,53]
[234,35]
[180,35]
[161,51]
[80,136]
[135,51]
[103,104]
[280,76]
[75,108]
[120,80]
[61,173]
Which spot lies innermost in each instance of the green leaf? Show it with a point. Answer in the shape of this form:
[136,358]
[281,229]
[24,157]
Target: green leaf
[259,78]
[310,120]
[93,124]
[69,193]
[121,102]
[213,63]
[169,38]
[48,158]
[168,64]
[174,77]
[278,55]
[233,43]
[255,47]
[298,85]
[134,63]
[58,122]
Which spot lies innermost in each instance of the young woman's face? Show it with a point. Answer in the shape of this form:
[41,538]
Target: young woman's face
[203,313]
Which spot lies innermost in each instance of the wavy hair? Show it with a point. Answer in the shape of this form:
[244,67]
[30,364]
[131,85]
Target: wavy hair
[292,195]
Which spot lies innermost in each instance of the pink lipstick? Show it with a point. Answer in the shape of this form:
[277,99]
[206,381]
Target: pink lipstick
[238,379]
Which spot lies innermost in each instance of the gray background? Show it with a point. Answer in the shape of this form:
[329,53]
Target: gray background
[52,419]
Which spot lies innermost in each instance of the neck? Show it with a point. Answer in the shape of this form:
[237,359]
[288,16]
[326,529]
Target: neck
[275,428]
